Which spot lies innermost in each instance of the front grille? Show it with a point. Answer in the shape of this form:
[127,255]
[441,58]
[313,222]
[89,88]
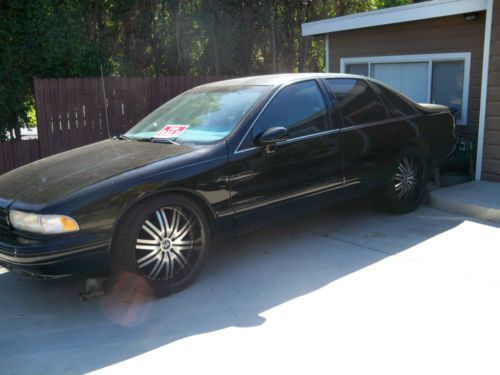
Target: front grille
[4,224]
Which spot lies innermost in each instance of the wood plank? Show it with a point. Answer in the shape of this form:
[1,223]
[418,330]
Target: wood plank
[12,157]
[492,137]
[127,100]
[99,111]
[77,114]
[493,109]
[110,84]
[494,77]
[3,167]
[78,111]
[41,115]
[24,150]
[46,145]
[490,177]
[494,63]
[58,110]
[492,123]
[121,102]
[89,110]
[35,150]
[491,151]
[491,167]
[72,98]
[493,93]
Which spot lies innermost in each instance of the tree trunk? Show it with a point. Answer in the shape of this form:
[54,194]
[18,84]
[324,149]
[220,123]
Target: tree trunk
[273,42]
[17,128]
[178,40]
[305,44]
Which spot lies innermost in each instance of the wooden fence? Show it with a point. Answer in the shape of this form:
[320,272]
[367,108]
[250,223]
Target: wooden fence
[71,112]
[17,153]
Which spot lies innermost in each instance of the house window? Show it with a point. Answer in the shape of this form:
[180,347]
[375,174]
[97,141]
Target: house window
[435,78]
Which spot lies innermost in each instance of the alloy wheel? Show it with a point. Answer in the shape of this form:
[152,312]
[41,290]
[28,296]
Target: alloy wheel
[169,244]
[407,181]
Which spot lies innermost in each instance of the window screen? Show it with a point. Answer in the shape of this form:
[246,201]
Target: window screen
[358,103]
[409,78]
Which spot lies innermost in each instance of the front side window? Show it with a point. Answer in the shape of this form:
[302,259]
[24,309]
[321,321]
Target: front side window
[357,102]
[201,115]
[299,107]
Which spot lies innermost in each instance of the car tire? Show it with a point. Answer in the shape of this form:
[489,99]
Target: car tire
[408,185]
[164,240]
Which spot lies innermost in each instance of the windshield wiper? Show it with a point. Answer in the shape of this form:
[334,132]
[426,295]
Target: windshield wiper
[123,136]
[163,140]
[152,139]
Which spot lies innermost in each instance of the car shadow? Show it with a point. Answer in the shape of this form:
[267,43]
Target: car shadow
[45,328]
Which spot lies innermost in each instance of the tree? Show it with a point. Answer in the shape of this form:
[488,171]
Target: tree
[64,38]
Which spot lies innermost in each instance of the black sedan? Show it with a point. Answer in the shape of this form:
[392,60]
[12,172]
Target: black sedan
[218,160]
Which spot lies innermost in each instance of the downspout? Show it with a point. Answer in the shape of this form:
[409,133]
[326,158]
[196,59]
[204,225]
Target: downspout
[484,89]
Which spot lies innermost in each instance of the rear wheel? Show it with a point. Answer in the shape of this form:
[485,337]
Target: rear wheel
[408,185]
[165,241]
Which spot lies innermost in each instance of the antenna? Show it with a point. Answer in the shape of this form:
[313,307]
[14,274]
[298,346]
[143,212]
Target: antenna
[105,102]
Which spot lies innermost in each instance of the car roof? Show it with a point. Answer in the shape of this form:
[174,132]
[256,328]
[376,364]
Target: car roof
[277,79]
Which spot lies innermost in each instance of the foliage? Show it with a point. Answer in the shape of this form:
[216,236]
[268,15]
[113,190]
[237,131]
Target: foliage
[62,38]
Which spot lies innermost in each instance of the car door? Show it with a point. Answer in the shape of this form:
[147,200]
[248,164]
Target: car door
[368,139]
[306,164]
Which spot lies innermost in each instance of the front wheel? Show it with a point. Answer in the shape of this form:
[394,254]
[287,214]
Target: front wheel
[408,185]
[165,241]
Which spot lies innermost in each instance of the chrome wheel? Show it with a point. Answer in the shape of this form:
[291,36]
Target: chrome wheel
[407,180]
[169,244]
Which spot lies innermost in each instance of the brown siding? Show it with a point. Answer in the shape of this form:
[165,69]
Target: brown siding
[438,35]
[491,155]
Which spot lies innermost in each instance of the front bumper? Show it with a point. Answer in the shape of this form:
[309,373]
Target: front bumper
[54,257]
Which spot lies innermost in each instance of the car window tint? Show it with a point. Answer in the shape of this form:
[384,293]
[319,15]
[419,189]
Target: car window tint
[299,107]
[358,103]
[396,105]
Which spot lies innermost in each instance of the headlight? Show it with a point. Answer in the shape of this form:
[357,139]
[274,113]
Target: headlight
[45,224]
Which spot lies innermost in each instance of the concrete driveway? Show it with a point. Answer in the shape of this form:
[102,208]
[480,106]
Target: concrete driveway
[348,290]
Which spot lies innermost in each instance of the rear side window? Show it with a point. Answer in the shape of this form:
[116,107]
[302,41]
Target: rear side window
[299,107]
[357,101]
[396,105]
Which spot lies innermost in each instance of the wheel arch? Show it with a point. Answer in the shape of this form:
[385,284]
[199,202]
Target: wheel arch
[421,145]
[188,193]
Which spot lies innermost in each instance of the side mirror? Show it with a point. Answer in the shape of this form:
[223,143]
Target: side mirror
[273,135]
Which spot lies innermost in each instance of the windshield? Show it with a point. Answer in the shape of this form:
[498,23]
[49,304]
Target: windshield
[204,114]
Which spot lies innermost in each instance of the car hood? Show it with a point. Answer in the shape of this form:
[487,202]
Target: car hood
[59,175]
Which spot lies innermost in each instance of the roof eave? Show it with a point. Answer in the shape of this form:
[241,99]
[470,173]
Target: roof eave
[387,16]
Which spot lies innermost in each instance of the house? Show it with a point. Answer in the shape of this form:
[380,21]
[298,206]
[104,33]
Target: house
[439,51]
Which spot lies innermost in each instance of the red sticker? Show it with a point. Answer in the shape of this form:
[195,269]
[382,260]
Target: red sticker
[171,131]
